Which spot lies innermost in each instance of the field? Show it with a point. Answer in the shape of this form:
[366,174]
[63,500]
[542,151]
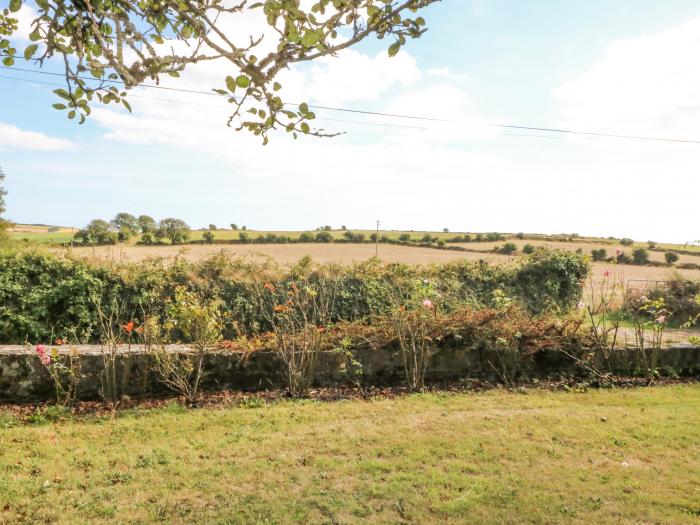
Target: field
[613,456]
[41,234]
[348,253]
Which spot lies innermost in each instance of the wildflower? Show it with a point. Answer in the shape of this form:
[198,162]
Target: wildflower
[607,273]
[618,252]
[59,341]
[661,319]
[427,303]
[43,356]
[269,286]
[129,327]
[581,305]
[280,308]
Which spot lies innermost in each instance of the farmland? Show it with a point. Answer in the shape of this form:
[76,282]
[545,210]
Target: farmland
[343,254]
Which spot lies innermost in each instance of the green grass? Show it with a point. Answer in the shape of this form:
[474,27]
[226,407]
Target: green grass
[613,456]
[42,237]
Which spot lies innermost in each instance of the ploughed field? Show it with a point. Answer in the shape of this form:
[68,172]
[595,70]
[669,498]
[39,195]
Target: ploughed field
[602,456]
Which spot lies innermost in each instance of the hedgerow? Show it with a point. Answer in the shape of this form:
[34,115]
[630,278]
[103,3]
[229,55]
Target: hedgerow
[43,297]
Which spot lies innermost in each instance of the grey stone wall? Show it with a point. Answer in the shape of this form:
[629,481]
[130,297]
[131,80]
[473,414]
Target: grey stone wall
[23,378]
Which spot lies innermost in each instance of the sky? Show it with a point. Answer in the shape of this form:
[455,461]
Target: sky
[626,67]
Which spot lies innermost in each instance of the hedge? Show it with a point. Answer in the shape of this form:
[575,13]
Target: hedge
[43,297]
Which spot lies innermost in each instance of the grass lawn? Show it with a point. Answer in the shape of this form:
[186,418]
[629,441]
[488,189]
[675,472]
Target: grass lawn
[622,456]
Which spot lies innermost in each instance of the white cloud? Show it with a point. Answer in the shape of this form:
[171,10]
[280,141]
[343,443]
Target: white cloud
[14,137]
[646,85]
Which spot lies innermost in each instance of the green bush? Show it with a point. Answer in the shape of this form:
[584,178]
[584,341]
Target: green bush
[640,256]
[528,249]
[599,254]
[43,297]
[670,258]
[626,242]
[680,298]
[508,248]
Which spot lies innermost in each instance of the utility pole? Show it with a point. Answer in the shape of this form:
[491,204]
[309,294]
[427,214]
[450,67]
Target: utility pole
[376,242]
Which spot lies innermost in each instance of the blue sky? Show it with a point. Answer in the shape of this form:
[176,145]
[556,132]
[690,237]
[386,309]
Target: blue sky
[625,66]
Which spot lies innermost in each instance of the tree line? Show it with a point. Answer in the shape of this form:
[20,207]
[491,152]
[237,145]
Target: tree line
[124,226]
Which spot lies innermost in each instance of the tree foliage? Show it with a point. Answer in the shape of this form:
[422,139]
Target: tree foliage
[107,44]
[147,224]
[175,230]
[98,232]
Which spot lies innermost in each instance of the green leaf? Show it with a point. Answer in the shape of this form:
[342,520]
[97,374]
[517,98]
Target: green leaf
[30,50]
[303,107]
[242,81]
[35,35]
[59,106]
[8,61]
[230,84]
[71,114]
[15,5]
[311,38]
[126,105]
[305,127]
[394,49]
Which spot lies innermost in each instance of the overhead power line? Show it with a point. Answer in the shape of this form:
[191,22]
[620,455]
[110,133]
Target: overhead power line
[521,127]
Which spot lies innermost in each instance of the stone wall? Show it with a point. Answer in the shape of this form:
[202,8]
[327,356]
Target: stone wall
[24,379]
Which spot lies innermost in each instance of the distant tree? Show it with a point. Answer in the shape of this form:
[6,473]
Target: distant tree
[175,230]
[208,236]
[445,230]
[479,237]
[147,224]
[528,249]
[626,242]
[651,245]
[405,237]
[244,228]
[234,226]
[324,236]
[343,227]
[306,237]
[640,256]
[98,232]
[212,227]
[126,221]
[348,235]
[358,237]
[670,258]
[373,237]
[427,239]
[327,228]
[243,237]
[520,235]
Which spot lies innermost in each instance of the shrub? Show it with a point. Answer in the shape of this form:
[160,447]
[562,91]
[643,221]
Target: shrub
[670,258]
[243,237]
[306,237]
[679,296]
[198,321]
[528,249]
[626,242]
[508,248]
[208,237]
[520,235]
[599,255]
[405,237]
[640,256]
[234,226]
